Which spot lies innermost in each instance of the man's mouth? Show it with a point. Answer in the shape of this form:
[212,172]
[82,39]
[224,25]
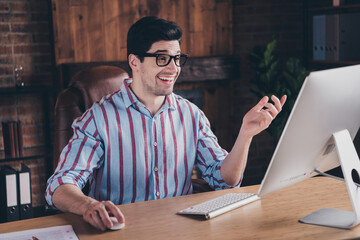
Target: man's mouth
[167,79]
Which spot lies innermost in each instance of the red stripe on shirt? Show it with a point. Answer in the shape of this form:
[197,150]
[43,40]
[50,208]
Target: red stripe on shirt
[133,153]
[146,156]
[132,140]
[88,161]
[202,162]
[214,142]
[195,135]
[83,116]
[128,91]
[78,153]
[175,152]
[97,192]
[164,152]
[210,150]
[82,144]
[121,164]
[72,140]
[108,152]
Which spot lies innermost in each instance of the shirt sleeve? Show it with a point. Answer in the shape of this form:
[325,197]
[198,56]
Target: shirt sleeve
[210,156]
[81,156]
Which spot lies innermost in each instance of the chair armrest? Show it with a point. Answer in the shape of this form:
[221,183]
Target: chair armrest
[200,185]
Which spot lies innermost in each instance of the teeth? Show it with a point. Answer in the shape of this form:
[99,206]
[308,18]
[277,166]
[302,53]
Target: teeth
[166,79]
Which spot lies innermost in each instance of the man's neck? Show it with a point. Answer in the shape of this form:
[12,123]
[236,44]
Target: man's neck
[152,103]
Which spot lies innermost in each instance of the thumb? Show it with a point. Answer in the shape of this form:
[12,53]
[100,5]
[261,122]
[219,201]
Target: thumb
[261,103]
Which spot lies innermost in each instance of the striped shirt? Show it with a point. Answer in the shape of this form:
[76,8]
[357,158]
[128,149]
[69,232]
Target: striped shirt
[128,155]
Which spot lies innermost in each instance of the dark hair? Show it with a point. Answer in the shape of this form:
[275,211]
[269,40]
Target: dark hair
[149,30]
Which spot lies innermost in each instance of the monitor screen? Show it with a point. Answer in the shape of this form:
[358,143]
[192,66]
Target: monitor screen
[328,102]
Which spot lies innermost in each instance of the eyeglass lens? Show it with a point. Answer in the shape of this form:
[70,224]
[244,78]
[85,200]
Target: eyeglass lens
[164,60]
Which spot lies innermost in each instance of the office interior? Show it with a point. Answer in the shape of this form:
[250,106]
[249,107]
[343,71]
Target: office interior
[44,42]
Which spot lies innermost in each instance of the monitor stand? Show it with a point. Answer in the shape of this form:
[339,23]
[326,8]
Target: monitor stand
[350,166]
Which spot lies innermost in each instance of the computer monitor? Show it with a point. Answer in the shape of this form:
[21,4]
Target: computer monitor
[317,137]
[328,102]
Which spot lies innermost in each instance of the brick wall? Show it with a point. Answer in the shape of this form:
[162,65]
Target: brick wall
[256,22]
[24,40]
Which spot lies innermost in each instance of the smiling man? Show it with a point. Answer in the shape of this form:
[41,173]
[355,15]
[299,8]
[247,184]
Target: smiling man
[141,142]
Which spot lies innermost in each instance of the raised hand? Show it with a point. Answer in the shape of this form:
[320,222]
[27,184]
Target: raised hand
[261,115]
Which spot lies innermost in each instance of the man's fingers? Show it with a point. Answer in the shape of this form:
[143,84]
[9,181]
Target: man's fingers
[98,215]
[261,104]
[271,109]
[283,100]
[115,211]
[95,220]
[277,103]
[103,213]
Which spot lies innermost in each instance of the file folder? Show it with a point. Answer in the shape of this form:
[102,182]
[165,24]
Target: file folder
[24,193]
[332,37]
[319,26]
[9,139]
[9,210]
[349,33]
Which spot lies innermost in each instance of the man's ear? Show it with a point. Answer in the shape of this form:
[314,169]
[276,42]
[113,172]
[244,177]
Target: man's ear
[133,62]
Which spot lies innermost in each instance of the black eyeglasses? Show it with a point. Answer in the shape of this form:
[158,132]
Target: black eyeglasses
[163,60]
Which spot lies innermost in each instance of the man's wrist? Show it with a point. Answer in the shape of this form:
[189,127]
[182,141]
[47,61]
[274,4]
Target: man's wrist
[246,138]
[86,203]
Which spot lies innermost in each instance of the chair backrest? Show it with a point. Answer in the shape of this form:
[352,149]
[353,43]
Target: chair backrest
[85,88]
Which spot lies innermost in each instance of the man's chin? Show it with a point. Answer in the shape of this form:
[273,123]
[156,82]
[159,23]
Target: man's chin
[165,92]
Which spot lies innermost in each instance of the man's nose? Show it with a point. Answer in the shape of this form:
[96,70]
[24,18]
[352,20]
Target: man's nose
[172,65]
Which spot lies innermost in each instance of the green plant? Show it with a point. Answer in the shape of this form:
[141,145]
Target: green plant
[271,78]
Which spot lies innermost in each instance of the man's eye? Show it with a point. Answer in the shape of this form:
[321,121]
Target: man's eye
[162,58]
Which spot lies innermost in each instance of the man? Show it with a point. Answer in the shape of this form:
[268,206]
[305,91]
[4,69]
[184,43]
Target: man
[141,142]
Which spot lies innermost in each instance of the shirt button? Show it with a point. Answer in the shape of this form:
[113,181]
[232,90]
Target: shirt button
[155,144]
[157,194]
[155,169]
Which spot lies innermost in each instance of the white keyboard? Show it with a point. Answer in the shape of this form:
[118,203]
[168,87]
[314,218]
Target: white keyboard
[220,205]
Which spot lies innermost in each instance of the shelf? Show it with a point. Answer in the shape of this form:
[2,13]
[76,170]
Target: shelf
[337,9]
[29,154]
[332,28]
[323,64]
[25,90]
[342,63]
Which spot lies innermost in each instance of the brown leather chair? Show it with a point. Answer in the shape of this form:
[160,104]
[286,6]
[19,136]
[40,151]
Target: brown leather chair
[85,88]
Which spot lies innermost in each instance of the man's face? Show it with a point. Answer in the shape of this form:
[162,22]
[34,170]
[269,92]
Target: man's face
[159,81]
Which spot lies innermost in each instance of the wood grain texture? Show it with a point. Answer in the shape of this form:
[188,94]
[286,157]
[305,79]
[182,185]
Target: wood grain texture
[273,217]
[92,31]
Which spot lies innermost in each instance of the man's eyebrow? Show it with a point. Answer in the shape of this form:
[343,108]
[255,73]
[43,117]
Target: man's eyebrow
[165,51]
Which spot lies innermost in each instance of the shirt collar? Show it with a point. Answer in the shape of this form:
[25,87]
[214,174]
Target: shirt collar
[130,98]
[128,95]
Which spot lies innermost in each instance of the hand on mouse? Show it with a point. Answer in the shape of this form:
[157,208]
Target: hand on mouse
[98,215]
[116,224]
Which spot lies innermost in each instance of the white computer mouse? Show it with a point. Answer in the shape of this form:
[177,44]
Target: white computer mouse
[116,224]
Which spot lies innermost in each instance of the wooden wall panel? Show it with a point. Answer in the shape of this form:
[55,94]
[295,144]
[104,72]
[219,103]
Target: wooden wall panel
[92,30]
[63,36]
[112,30]
[79,33]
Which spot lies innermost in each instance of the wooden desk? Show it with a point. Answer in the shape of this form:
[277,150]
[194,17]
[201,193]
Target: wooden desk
[273,217]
